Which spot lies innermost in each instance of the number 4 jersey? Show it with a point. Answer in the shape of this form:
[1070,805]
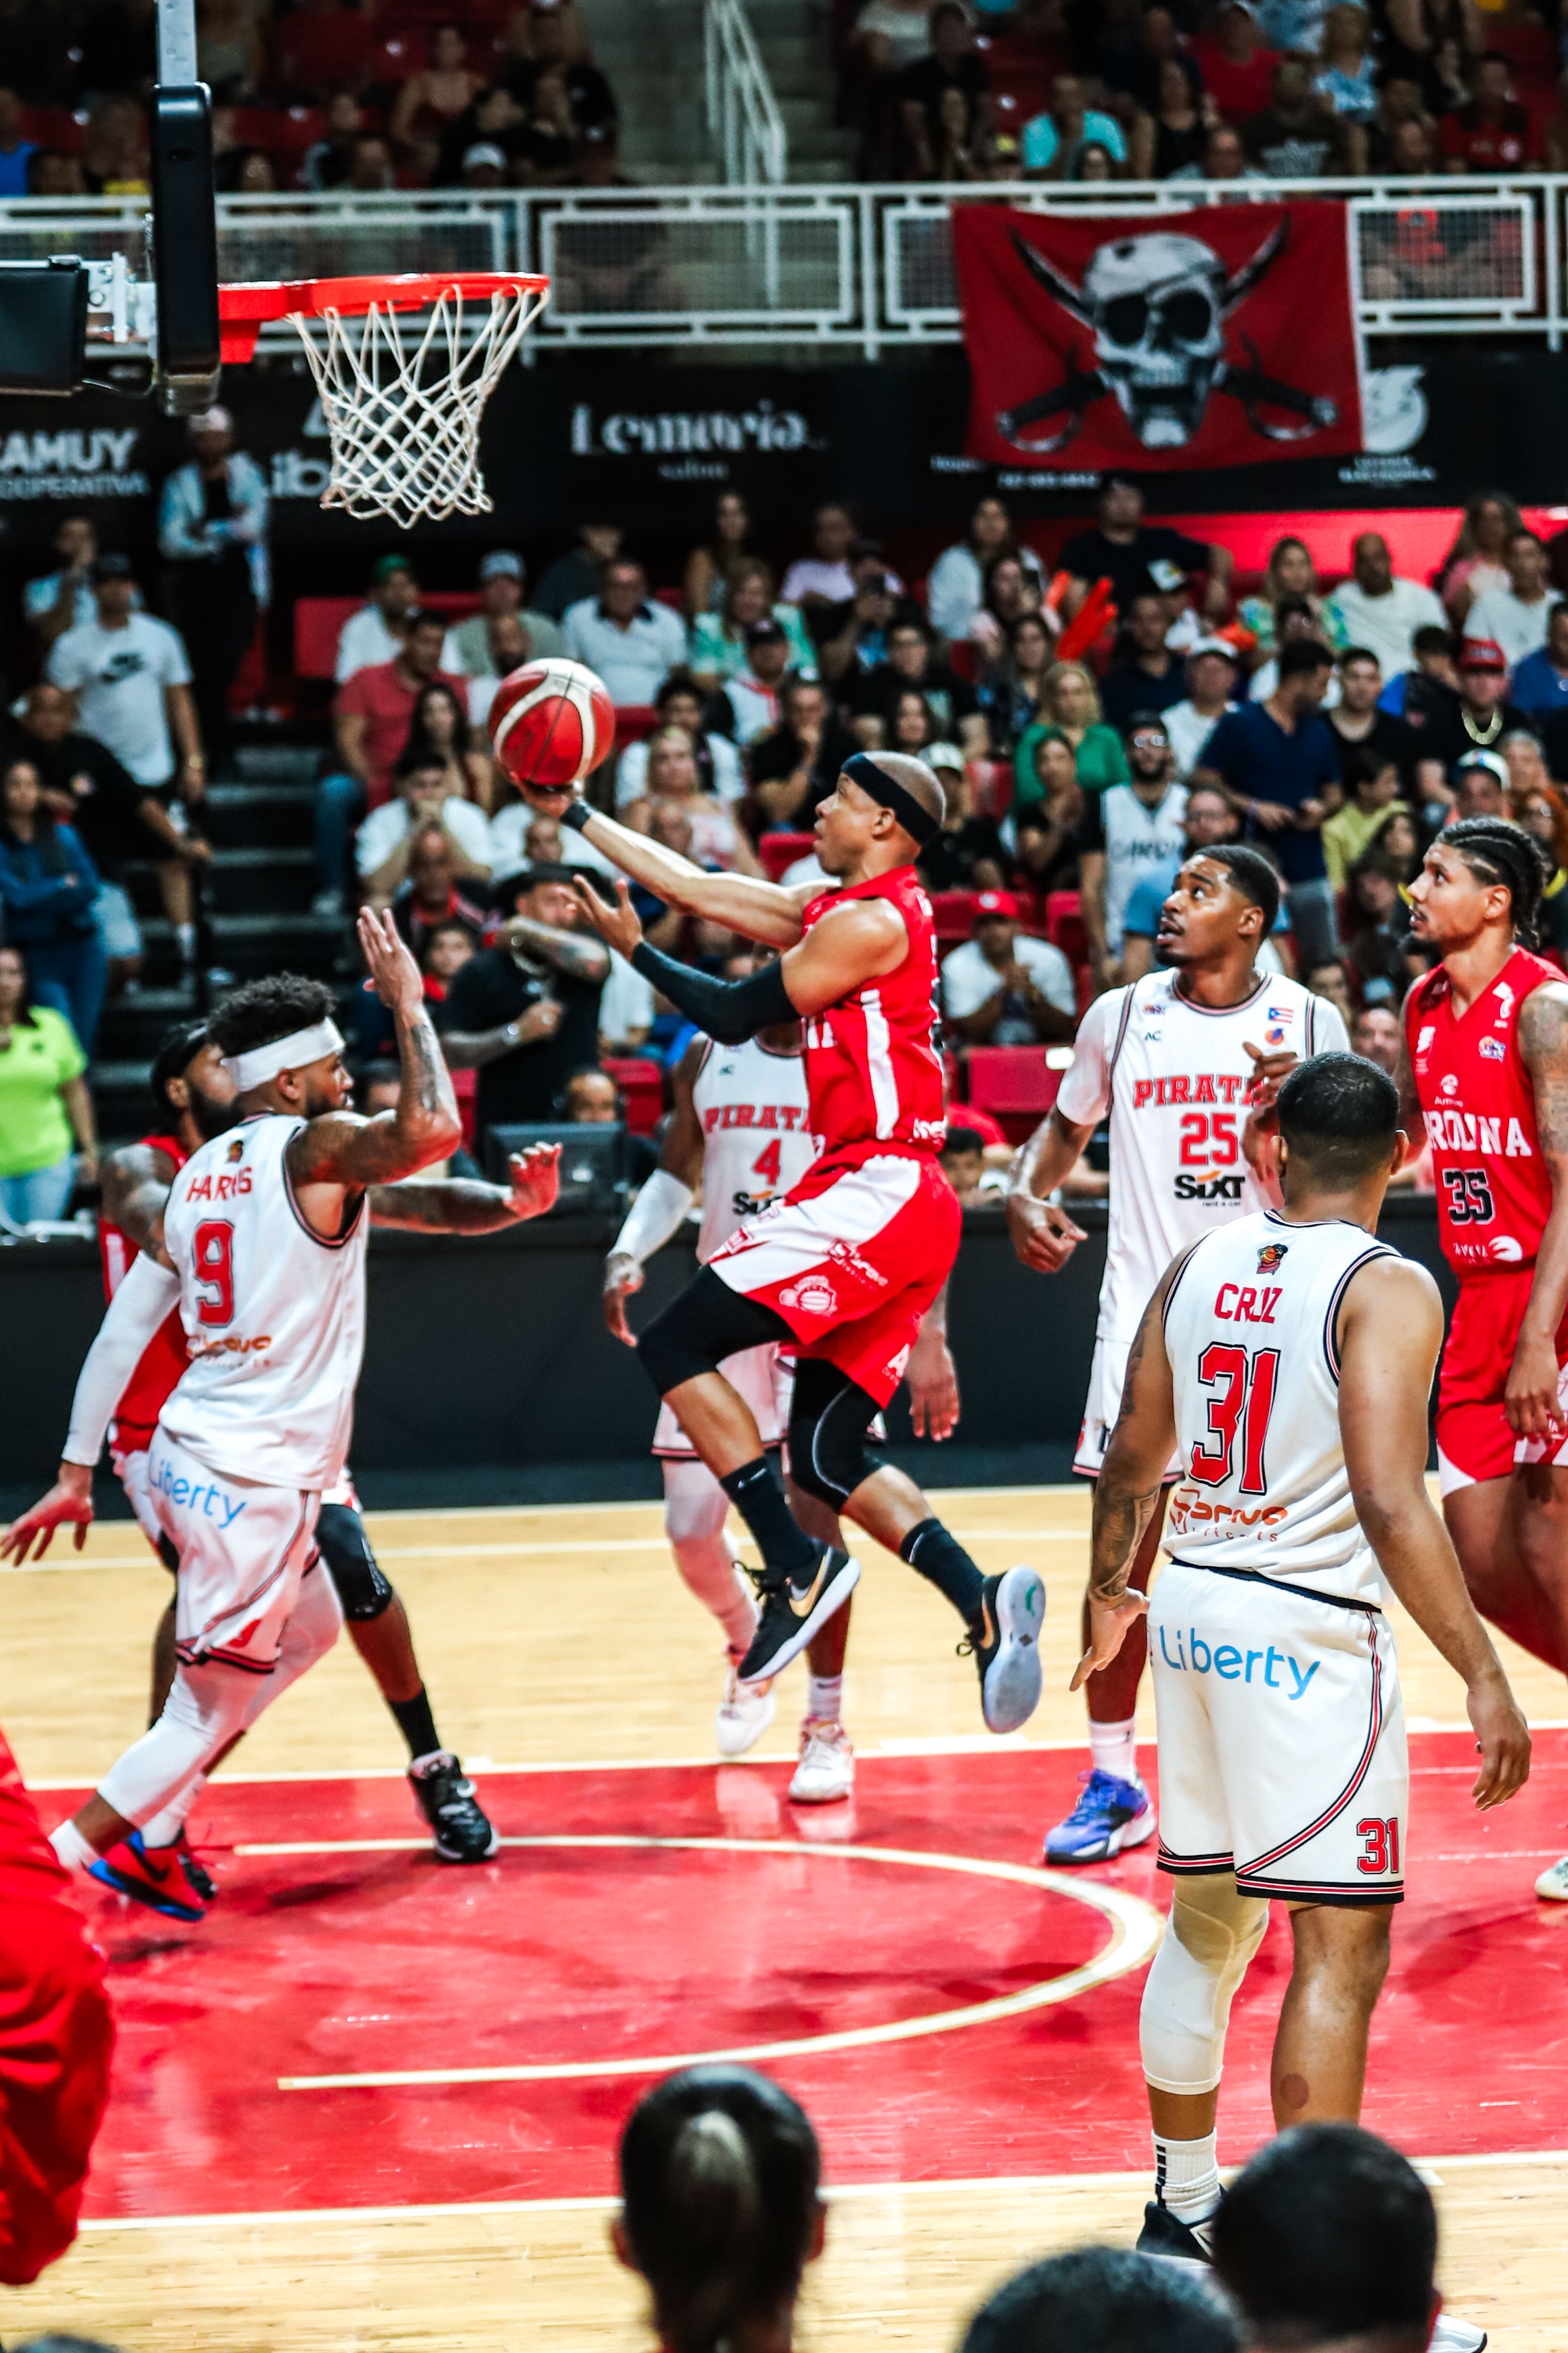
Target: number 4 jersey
[274,1316]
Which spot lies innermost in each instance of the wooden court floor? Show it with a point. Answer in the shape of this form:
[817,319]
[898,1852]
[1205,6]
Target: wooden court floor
[561,1637]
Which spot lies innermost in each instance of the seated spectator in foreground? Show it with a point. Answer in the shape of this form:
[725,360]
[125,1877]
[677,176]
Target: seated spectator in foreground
[625,1011]
[1276,761]
[797,763]
[1208,818]
[1358,724]
[371,719]
[1372,783]
[1329,2237]
[1009,688]
[1135,555]
[580,572]
[717,839]
[1517,617]
[680,703]
[431,99]
[1236,66]
[436,890]
[1146,674]
[1070,709]
[1378,953]
[1008,590]
[1003,988]
[1291,573]
[964,1164]
[953,64]
[520,837]
[375,635]
[439,727]
[1224,158]
[524,1012]
[506,650]
[1478,558]
[1210,672]
[720,647]
[1299,136]
[502,579]
[1542,810]
[912,666]
[1378,1032]
[1492,132]
[1525,760]
[968,854]
[1481,714]
[1048,831]
[44,1100]
[1105,2300]
[1330,981]
[1127,829]
[1054,139]
[632,643]
[1295,620]
[1480,787]
[443,949]
[1377,609]
[709,565]
[956,581]
[823,578]
[1432,686]
[748,706]
[1540,684]
[592,1100]
[387,839]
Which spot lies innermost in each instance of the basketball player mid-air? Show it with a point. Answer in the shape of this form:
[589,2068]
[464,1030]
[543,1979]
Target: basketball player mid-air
[1182,1061]
[845,1266]
[1286,1358]
[740,1129]
[1486,1069]
[194,1096]
[262,1242]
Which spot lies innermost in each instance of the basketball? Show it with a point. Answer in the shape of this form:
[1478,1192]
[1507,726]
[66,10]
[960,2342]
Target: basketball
[552,722]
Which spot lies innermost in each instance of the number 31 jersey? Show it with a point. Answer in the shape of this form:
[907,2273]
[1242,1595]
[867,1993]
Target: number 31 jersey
[274,1316]
[1494,1194]
[1173,1076]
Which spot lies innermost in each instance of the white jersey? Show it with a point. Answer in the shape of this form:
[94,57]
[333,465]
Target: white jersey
[274,1316]
[1173,1076]
[1250,1330]
[756,1143]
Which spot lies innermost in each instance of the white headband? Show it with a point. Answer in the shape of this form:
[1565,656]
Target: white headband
[290,1053]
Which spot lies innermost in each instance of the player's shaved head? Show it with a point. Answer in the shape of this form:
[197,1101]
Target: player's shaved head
[919,782]
[852,824]
[1338,1118]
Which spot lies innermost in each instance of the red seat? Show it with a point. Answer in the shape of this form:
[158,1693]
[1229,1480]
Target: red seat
[778,851]
[1065,927]
[634,722]
[641,1085]
[1013,1084]
[674,597]
[953,914]
[394,59]
[279,129]
[54,126]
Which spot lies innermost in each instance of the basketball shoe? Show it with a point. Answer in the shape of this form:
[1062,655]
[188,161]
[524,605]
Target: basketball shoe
[152,1876]
[1003,1641]
[744,1714]
[827,1769]
[445,1796]
[1553,1882]
[1110,1814]
[198,1878]
[791,1614]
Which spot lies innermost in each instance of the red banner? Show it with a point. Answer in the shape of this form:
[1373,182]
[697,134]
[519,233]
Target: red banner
[1162,342]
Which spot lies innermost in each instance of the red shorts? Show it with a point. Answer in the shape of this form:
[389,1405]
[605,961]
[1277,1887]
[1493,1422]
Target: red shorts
[851,1260]
[1474,1440]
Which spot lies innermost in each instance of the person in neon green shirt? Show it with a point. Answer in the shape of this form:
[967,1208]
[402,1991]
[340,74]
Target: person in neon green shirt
[44,1103]
[1070,701]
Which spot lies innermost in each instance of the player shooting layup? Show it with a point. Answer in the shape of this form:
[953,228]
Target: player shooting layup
[1181,1060]
[1486,1065]
[1288,1357]
[845,1265]
[263,1244]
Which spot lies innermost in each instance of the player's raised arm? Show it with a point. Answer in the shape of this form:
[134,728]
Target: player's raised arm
[1531,1399]
[464,1204]
[1390,1330]
[341,1149]
[1128,1487]
[761,910]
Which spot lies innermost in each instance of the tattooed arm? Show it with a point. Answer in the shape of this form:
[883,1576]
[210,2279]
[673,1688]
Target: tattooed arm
[461,1204]
[1530,1400]
[136,1181]
[577,954]
[1128,1487]
[340,1154]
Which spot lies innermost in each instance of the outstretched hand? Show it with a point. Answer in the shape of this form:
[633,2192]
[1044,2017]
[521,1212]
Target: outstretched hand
[535,1176]
[617,924]
[623,1275]
[67,1503]
[394,975]
[1108,1623]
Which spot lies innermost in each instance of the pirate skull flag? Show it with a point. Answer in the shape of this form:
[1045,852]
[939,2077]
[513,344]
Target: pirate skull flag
[1224,337]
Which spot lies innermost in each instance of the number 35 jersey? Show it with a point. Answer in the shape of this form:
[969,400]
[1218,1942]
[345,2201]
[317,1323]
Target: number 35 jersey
[1173,1076]
[1494,1195]
[274,1316]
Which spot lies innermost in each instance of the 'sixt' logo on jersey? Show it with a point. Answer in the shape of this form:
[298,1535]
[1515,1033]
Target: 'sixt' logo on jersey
[1269,1257]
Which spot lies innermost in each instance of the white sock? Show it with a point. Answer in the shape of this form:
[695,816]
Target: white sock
[163,1829]
[1186,2176]
[1113,1749]
[185,933]
[71,1849]
[824,1696]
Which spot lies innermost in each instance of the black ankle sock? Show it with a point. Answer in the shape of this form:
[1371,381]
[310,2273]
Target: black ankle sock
[416,1724]
[758,1495]
[935,1554]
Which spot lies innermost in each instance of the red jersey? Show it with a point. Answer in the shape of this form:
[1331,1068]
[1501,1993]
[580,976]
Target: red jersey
[872,1070]
[1494,1195]
[164,1358]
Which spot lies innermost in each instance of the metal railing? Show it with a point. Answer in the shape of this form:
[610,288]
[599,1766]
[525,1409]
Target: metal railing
[857,267]
[743,116]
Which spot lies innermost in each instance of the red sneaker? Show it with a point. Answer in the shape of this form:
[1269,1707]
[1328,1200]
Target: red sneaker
[149,1876]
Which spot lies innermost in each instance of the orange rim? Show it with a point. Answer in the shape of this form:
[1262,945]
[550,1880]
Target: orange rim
[243,309]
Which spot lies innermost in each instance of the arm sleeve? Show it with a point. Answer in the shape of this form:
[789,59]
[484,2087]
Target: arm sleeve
[135,1312]
[730,1010]
[1085,1093]
[655,1215]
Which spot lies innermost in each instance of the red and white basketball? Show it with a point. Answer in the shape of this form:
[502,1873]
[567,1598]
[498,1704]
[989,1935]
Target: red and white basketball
[550,722]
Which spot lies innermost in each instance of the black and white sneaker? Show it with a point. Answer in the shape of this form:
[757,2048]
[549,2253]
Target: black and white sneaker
[445,1796]
[1175,2242]
[1005,1643]
[198,1878]
[791,1614]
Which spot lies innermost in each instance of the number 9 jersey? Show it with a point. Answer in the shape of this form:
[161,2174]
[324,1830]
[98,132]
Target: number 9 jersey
[274,1315]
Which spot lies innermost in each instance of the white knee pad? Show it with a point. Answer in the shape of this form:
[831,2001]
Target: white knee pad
[206,1708]
[1212,1934]
[312,1627]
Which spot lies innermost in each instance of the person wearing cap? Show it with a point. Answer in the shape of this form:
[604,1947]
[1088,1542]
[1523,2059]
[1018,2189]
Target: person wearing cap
[1003,988]
[483,165]
[375,633]
[1210,670]
[213,517]
[747,707]
[1379,609]
[1145,675]
[969,853]
[1135,555]
[63,598]
[502,579]
[1481,716]
[1125,831]
[1480,787]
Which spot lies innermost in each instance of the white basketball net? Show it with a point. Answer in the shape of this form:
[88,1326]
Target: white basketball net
[403,393]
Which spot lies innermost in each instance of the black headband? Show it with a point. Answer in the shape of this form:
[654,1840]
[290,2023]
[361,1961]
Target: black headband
[917,822]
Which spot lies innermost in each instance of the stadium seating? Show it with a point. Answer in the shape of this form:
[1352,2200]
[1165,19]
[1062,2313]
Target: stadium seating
[778,851]
[1014,1084]
[641,1084]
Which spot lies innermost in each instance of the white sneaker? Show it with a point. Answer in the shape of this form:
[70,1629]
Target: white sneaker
[1553,1883]
[827,1768]
[1451,2335]
[744,1714]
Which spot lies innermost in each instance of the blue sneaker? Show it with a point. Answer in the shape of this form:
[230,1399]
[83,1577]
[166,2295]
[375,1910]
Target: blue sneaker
[1109,1815]
[155,1880]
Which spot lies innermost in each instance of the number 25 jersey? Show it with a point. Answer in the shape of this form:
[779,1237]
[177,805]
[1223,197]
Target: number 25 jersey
[1173,1076]
[274,1316]
[1494,1194]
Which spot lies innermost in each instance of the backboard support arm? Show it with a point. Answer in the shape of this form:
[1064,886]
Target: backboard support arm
[184,220]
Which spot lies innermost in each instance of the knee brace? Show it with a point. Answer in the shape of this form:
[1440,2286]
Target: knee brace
[1210,1935]
[350,1563]
[696,1332]
[828,1456]
[206,1710]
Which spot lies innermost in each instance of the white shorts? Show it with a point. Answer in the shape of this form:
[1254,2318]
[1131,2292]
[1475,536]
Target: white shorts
[764,1376]
[130,1470]
[1281,1738]
[1107,1379]
[243,1549]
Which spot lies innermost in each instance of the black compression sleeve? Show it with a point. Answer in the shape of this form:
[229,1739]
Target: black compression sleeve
[730,1011]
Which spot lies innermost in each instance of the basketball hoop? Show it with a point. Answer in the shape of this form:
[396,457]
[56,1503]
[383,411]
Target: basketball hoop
[402,398]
